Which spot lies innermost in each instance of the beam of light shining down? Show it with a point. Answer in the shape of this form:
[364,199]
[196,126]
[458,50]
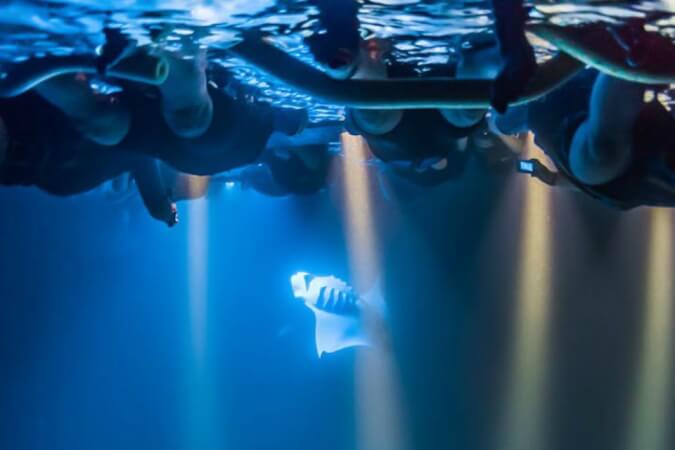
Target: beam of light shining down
[202,421]
[198,269]
[651,421]
[360,231]
[379,415]
[521,423]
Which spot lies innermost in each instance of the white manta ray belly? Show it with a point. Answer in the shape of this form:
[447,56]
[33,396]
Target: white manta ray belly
[337,310]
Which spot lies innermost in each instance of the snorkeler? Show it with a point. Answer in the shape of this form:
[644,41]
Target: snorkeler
[216,133]
[195,120]
[492,155]
[338,46]
[297,165]
[78,138]
[40,146]
[185,104]
[421,143]
[44,147]
[606,137]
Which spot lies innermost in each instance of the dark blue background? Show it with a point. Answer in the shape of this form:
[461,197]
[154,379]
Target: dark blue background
[95,339]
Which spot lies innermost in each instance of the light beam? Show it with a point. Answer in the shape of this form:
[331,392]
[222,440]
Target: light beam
[202,431]
[198,266]
[522,420]
[651,421]
[380,424]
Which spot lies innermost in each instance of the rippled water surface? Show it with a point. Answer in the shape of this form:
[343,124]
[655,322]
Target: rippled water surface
[423,32]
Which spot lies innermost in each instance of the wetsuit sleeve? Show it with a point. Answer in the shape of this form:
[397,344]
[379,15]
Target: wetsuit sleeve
[156,197]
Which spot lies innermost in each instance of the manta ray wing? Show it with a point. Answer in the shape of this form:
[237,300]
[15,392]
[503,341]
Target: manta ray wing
[335,332]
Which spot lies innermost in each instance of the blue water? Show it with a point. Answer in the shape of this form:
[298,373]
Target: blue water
[97,345]
[117,332]
[97,340]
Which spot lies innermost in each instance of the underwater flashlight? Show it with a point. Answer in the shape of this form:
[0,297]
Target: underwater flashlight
[525,167]
[535,168]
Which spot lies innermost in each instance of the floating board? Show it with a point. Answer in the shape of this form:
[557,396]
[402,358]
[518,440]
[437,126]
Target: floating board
[341,315]
[594,45]
[425,93]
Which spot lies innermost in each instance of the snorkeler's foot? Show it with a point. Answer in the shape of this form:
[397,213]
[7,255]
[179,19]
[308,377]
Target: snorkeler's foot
[290,122]
[519,68]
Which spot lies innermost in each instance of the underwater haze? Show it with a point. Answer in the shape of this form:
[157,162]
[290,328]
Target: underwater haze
[512,316]
[98,323]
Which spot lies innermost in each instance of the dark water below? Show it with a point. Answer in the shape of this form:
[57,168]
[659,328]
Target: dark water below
[518,318]
[98,346]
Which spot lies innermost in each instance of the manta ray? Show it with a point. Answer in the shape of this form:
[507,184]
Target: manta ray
[340,313]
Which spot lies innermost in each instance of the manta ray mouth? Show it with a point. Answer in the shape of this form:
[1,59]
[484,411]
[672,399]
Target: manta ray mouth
[300,282]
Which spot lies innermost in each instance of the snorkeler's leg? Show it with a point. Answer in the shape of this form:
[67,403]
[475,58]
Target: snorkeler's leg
[156,198]
[519,63]
[99,117]
[601,149]
[482,63]
[186,104]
